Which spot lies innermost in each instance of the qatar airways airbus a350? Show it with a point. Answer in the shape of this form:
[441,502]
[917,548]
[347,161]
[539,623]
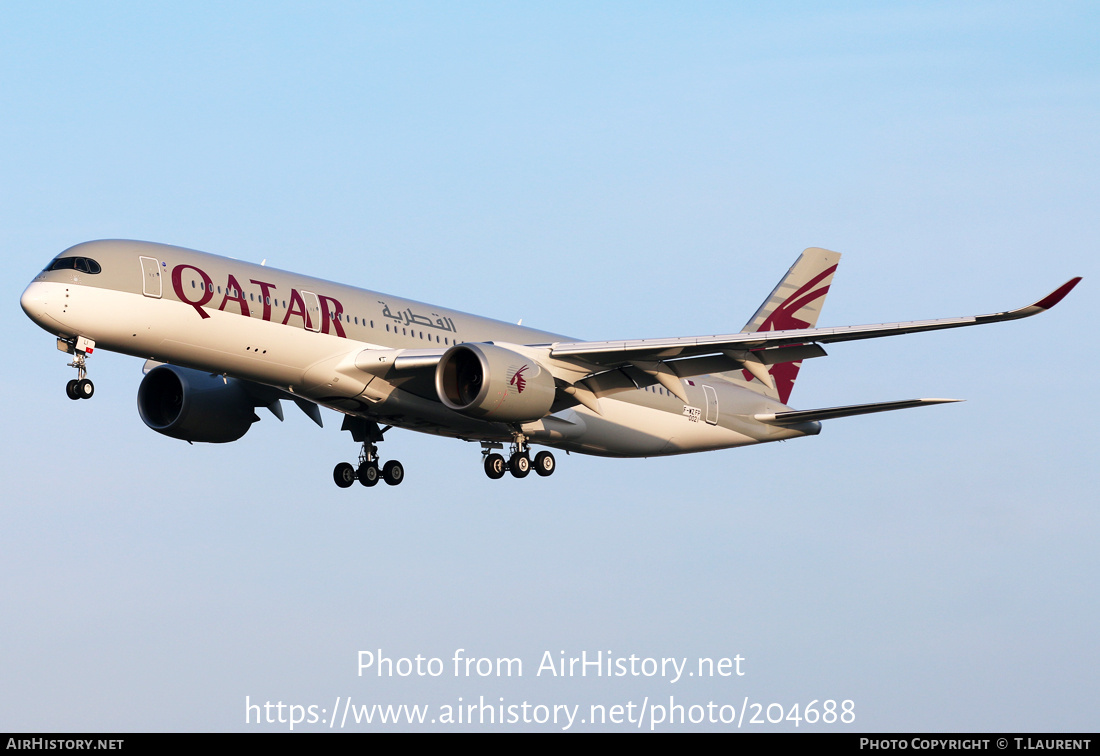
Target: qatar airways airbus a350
[222,337]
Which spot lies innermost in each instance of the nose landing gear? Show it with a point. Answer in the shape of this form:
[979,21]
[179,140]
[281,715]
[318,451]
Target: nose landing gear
[81,387]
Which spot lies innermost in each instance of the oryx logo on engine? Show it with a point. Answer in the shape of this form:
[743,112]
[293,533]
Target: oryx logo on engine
[518,380]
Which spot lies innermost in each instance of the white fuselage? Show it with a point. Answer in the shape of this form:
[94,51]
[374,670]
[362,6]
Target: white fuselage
[316,339]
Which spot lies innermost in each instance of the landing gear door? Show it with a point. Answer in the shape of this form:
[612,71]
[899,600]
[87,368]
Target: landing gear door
[712,404]
[313,311]
[151,280]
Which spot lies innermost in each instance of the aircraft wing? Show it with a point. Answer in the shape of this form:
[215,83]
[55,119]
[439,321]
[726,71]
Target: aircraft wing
[588,370]
[769,347]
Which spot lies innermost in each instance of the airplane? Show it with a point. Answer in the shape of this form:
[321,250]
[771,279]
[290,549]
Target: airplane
[222,337]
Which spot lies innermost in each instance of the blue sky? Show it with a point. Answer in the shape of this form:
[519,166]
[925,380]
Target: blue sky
[602,170]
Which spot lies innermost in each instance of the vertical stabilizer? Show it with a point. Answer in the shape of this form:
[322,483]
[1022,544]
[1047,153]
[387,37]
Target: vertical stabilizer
[795,303]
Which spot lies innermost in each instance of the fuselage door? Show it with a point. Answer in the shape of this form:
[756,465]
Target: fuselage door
[712,404]
[150,275]
[313,310]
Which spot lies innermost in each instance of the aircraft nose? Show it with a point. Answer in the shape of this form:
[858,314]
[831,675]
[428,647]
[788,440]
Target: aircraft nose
[33,302]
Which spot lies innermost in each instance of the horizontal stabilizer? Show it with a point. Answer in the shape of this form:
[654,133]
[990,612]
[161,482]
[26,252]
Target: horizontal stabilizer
[794,417]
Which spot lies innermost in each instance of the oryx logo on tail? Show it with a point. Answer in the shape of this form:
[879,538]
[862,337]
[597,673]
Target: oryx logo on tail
[795,303]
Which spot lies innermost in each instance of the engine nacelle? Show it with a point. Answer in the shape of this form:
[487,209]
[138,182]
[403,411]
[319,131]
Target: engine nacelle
[195,406]
[493,383]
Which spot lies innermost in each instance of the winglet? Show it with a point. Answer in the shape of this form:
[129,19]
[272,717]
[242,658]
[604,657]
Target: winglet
[1057,295]
[1042,305]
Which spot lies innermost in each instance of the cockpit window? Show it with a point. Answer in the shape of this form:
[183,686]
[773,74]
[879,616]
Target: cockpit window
[79,264]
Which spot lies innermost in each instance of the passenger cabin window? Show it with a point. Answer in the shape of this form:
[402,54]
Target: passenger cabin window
[79,264]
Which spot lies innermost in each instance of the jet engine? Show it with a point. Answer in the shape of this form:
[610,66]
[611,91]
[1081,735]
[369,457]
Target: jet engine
[195,406]
[493,383]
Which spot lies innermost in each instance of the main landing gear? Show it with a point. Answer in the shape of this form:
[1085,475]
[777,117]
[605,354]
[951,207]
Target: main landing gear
[367,471]
[81,387]
[519,463]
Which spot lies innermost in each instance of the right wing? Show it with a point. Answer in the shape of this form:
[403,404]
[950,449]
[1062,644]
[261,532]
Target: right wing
[586,370]
[666,361]
[609,353]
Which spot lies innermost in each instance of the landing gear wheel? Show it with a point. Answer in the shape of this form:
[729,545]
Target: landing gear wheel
[545,464]
[519,465]
[495,466]
[70,389]
[84,389]
[343,474]
[368,474]
[393,473]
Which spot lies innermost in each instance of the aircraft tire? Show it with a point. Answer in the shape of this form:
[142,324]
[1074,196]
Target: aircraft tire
[519,465]
[84,389]
[70,390]
[367,474]
[495,466]
[393,473]
[343,474]
[545,464]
